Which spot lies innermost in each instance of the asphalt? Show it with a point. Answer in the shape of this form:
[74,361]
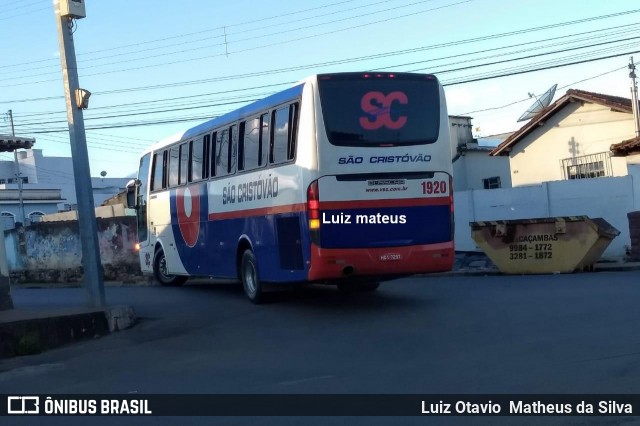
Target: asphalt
[29,330]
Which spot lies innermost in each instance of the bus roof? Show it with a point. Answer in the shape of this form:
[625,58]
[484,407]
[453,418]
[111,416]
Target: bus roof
[235,115]
[266,103]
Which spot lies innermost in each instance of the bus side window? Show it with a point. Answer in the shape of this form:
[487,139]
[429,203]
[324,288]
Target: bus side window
[196,160]
[157,174]
[184,163]
[206,146]
[293,130]
[280,135]
[241,142]
[165,169]
[222,153]
[212,153]
[250,145]
[174,166]
[233,149]
[265,141]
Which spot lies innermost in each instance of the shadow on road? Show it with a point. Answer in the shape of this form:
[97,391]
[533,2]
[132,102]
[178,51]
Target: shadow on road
[388,296]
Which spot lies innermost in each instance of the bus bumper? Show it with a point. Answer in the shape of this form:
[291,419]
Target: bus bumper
[327,264]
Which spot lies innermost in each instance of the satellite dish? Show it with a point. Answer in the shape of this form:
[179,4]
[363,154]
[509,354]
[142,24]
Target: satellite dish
[541,103]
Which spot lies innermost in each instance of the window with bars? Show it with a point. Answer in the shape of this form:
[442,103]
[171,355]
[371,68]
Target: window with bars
[492,182]
[587,166]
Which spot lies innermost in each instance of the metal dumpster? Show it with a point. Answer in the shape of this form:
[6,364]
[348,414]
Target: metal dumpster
[544,245]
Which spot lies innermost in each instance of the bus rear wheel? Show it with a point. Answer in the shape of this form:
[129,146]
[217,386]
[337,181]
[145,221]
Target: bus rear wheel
[250,279]
[161,273]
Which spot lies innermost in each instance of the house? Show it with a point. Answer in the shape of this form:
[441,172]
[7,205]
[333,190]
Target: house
[48,186]
[572,139]
[629,149]
[473,168]
[33,204]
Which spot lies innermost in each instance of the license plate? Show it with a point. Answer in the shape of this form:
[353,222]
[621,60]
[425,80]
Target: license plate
[390,257]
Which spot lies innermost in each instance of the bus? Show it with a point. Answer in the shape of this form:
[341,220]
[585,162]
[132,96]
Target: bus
[344,178]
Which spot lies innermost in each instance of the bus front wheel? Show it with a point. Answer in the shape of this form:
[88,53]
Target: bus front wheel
[250,279]
[161,274]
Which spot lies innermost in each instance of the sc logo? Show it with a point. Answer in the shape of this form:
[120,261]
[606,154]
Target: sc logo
[377,106]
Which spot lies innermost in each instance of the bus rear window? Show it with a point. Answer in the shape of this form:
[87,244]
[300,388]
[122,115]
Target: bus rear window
[373,111]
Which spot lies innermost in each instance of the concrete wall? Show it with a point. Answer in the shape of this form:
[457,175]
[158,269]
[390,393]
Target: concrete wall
[576,130]
[610,198]
[51,251]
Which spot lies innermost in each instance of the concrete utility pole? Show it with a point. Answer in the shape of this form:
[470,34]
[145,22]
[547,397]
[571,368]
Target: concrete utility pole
[18,177]
[634,96]
[76,100]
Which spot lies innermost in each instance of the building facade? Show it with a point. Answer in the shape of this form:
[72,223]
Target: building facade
[571,139]
[473,168]
[48,186]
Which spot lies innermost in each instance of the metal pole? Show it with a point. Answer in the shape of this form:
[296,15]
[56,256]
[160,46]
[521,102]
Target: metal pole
[18,177]
[80,157]
[634,96]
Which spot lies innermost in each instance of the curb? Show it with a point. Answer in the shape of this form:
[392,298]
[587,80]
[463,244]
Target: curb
[27,332]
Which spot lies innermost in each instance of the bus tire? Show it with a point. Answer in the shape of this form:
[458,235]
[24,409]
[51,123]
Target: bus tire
[160,271]
[249,277]
[358,287]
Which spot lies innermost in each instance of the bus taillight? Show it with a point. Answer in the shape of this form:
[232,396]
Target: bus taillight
[313,211]
[453,221]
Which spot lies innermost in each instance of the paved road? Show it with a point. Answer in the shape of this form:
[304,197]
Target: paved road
[531,334]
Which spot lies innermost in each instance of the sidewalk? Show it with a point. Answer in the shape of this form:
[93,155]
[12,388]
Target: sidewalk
[25,331]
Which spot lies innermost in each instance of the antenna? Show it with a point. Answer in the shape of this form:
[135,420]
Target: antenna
[541,103]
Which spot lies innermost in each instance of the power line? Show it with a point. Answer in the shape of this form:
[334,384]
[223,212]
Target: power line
[528,99]
[24,13]
[183,50]
[182,61]
[13,7]
[445,83]
[432,68]
[539,68]
[187,34]
[399,52]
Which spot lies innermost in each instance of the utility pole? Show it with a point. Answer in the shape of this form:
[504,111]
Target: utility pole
[18,176]
[634,96]
[77,99]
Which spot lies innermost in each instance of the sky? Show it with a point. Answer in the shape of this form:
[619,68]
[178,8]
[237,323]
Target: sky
[157,67]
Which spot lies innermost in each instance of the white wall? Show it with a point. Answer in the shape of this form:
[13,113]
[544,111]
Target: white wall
[474,166]
[577,129]
[610,198]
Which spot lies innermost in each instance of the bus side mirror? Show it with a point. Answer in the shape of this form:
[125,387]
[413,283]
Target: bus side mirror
[132,193]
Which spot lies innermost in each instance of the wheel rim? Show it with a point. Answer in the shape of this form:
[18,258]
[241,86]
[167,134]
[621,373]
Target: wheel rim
[250,278]
[162,268]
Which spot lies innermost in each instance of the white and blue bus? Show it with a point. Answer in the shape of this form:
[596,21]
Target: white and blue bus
[343,179]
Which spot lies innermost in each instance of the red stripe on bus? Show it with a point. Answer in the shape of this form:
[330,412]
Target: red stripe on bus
[399,202]
[263,211]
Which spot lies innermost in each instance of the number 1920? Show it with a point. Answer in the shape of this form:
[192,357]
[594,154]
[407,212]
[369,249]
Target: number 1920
[437,187]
